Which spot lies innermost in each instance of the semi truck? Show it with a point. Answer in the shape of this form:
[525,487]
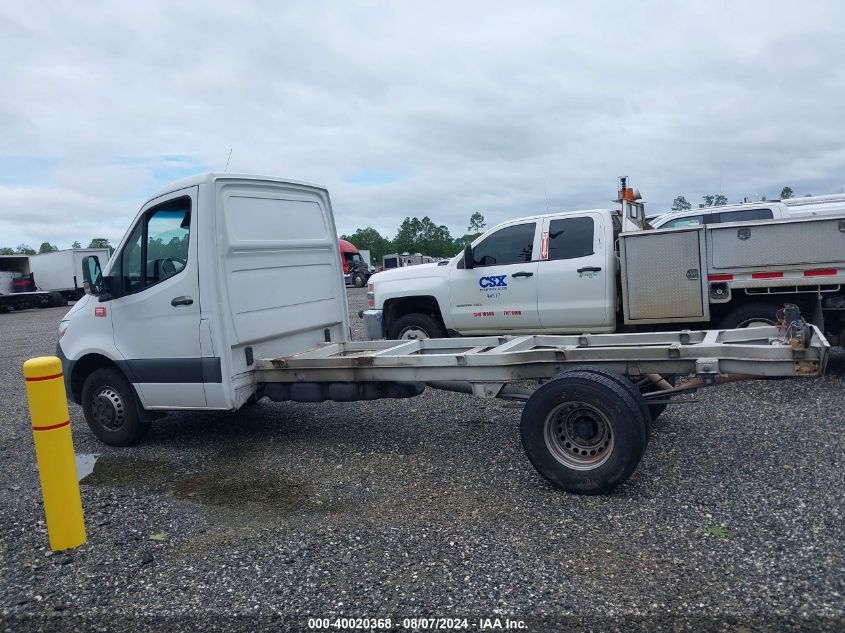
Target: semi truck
[356,272]
[577,271]
[245,299]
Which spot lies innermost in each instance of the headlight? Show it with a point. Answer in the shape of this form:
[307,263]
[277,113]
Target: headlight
[63,325]
[371,300]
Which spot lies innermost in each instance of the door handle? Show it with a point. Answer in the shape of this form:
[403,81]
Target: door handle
[522,274]
[589,269]
[181,301]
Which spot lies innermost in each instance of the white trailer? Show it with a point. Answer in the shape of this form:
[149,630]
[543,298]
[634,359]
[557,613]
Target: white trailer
[17,286]
[61,271]
[247,300]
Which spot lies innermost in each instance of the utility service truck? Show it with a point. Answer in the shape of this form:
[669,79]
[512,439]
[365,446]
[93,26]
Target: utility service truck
[228,288]
[575,272]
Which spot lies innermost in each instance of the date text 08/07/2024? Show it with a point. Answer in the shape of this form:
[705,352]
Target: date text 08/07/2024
[415,624]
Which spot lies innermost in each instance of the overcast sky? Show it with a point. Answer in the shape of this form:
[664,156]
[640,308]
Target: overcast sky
[426,108]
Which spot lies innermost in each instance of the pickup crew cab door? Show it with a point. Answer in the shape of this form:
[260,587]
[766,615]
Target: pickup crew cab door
[500,291]
[575,273]
[156,318]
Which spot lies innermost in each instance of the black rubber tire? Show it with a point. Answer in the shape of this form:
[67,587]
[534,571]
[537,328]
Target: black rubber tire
[132,429]
[432,328]
[359,280]
[626,384]
[740,315]
[617,406]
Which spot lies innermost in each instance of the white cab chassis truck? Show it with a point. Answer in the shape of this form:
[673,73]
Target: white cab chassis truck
[574,272]
[228,288]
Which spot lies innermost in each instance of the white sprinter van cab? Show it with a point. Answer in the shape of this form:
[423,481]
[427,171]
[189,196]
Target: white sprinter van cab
[216,271]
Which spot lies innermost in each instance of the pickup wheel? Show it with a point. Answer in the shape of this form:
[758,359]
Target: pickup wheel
[110,408]
[583,432]
[750,314]
[416,326]
[358,280]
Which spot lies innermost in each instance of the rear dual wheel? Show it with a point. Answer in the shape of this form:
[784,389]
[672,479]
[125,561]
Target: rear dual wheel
[584,431]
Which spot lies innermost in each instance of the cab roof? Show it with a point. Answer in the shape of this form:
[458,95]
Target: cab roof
[210,176]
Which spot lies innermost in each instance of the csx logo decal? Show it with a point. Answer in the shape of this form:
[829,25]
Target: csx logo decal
[497,281]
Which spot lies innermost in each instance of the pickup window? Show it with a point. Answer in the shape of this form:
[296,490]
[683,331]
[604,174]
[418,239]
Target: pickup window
[570,238]
[510,245]
[690,220]
[746,215]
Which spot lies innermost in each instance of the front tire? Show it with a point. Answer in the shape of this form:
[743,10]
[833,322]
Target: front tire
[358,280]
[416,326]
[583,432]
[111,410]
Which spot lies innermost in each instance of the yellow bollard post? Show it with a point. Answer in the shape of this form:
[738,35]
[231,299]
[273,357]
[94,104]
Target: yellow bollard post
[45,390]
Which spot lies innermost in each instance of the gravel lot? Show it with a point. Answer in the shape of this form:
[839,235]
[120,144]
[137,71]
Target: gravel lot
[428,507]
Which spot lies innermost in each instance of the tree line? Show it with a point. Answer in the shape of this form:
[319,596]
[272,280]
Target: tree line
[718,200]
[417,235]
[46,247]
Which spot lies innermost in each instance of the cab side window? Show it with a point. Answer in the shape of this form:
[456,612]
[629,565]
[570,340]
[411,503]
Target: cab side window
[692,220]
[510,245]
[158,246]
[746,215]
[570,238]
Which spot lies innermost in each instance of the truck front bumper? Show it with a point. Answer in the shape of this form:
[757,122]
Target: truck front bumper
[372,324]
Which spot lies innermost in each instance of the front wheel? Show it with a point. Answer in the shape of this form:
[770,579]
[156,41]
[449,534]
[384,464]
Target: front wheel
[416,326]
[583,432]
[358,280]
[110,409]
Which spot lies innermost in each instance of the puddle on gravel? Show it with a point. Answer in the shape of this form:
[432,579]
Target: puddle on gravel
[225,484]
[85,464]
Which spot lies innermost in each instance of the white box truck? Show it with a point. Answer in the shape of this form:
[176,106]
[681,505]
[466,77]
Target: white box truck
[61,271]
[228,288]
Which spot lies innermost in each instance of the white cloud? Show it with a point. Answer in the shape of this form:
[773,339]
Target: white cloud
[480,106]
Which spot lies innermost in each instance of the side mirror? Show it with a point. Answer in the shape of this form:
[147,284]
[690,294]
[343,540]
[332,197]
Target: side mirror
[92,275]
[468,258]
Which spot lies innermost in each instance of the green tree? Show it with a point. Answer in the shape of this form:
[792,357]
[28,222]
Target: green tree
[76,245]
[786,193]
[680,204]
[713,200]
[46,247]
[424,236]
[476,223]
[24,249]
[370,239]
[99,242]
[5,250]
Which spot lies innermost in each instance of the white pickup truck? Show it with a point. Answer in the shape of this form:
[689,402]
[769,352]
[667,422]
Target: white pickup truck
[810,206]
[570,273]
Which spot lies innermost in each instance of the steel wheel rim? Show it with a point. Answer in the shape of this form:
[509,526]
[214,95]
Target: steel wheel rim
[757,322]
[578,435]
[108,408]
[412,333]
